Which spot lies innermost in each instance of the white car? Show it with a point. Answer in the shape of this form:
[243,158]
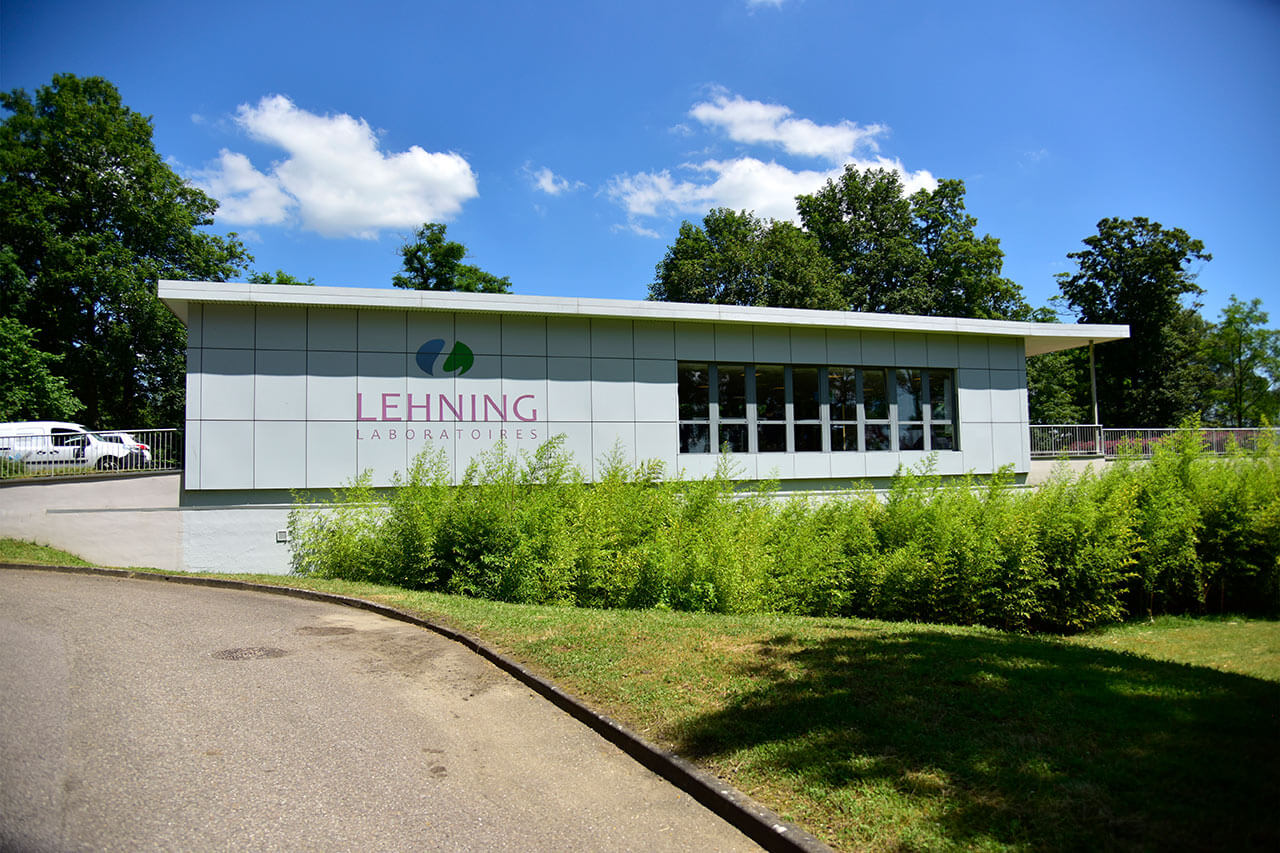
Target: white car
[139,453]
[60,446]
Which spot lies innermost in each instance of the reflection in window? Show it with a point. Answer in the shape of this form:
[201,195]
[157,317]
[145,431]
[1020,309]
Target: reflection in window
[732,390]
[694,391]
[774,408]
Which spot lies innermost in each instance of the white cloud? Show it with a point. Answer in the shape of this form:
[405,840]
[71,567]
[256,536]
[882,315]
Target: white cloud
[635,228]
[758,123]
[246,196]
[334,179]
[549,182]
[769,188]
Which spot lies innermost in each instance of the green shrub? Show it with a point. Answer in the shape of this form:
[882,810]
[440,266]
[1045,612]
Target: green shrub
[1181,533]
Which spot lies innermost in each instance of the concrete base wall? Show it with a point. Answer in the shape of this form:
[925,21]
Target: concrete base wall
[117,521]
[1042,469]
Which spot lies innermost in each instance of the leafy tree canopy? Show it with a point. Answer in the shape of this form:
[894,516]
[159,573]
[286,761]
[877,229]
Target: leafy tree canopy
[902,254]
[1137,272]
[433,263]
[1244,358]
[279,277]
[90,218]
[29,390]
[864,246]
[737,259]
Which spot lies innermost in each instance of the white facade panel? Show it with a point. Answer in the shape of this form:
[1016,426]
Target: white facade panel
[613,394]
[1004,354]
[973,352]
[423,326]
[195,327]
[654,339]
[524,336]
[331,385]
[976,443]
[734,343]
[481,332]
[878,349]
[772,346]
[331,453]
[226,455]
[844,346]
[280,328]
[695,342]
[569,390]
[973,395]
[331,329]
[229,326]
[943,351]
[280,387]
[611,339]
[1007,404]
[658,441]
[569,337]
[279,454]
[226,384]
[380,331]
[606,439]
[808,346]
[910,349]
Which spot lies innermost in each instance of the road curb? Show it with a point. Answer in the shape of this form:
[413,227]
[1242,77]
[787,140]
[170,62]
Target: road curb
[760,824]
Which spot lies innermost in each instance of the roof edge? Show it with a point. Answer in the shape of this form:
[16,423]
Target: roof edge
[1040,337]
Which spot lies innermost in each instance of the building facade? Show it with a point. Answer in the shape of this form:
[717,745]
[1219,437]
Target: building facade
[301,388]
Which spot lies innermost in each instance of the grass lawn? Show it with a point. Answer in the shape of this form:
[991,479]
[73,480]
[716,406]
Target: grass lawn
[892,736]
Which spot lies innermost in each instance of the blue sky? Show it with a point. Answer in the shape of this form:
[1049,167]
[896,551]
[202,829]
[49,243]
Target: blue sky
[564,143]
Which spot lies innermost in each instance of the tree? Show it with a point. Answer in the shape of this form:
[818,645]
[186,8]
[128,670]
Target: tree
[908,255]
[29,390]
[1058,382]
[1244,357]
[1136,272]
[279,277]
[433,263]
[737,259]
[90,218]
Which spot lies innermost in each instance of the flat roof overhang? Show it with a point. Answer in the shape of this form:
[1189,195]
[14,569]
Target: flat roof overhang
[1039,337]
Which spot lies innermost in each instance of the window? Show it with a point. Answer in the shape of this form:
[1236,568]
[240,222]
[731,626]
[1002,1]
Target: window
[775,408]
[694,391]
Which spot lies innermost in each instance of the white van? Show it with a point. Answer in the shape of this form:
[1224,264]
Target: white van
[51,446]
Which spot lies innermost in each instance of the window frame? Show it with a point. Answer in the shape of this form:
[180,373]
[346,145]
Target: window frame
[751,422]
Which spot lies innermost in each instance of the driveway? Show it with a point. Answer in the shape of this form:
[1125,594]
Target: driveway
[138,715]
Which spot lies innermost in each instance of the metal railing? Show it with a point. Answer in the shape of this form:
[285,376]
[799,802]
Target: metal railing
[60,451]
[1092,440]
[1071,440]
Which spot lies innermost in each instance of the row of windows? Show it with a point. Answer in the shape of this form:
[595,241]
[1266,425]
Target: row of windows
[775,408]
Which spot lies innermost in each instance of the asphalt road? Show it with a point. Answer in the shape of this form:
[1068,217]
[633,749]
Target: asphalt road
[137,715]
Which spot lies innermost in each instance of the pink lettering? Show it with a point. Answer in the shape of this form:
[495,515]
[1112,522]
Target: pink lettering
[388,407]
[360,416]
[515,409]
[490,403]
[446,403]
[425,406]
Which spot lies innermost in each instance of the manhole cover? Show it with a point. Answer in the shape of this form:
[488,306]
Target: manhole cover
[324,630]
[250,653]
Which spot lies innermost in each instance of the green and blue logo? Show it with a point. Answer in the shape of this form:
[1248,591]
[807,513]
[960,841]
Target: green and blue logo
[458,361]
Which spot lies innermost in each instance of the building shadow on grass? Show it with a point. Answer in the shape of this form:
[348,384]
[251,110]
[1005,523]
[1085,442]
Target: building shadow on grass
[1011,741]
